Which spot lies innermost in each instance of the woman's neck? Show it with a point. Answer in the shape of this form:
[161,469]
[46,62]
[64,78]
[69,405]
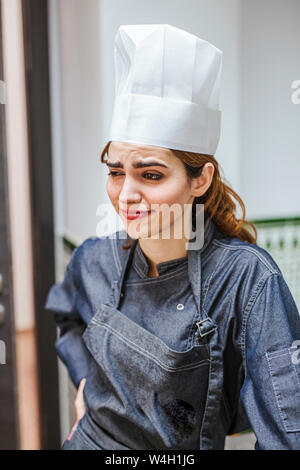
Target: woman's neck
[159,251]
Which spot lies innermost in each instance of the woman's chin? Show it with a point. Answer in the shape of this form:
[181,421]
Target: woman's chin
[140,230]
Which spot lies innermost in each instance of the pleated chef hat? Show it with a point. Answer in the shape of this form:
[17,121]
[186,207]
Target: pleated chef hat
[167,88]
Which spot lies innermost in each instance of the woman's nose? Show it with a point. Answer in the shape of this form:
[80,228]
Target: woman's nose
[129,191]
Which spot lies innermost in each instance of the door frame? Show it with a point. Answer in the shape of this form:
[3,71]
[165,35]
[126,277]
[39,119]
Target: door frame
[9,422]
[35,27]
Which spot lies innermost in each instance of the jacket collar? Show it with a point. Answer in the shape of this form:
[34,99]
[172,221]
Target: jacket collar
[141,263]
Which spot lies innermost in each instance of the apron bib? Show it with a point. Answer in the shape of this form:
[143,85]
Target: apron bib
[140,393]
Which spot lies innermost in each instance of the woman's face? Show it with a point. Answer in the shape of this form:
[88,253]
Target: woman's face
[147,178]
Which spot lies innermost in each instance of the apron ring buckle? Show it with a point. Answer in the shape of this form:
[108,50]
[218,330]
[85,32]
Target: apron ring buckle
[206,326]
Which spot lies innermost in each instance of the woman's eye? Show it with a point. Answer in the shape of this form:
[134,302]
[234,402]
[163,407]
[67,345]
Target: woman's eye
[154,175]
[113,173]
[151,176]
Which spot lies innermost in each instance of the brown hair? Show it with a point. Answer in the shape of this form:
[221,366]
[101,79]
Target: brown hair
[217,200]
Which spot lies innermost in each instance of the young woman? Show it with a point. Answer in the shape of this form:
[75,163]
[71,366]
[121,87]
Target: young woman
[173,347]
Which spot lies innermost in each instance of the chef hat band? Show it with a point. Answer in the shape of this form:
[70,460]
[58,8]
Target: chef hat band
[167,88]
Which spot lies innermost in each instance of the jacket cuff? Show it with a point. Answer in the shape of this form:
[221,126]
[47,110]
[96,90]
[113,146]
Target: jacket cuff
[74,354]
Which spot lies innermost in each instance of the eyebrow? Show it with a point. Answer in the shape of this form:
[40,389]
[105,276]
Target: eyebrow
[138,164]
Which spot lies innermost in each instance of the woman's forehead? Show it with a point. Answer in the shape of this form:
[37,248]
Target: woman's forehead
[119,149]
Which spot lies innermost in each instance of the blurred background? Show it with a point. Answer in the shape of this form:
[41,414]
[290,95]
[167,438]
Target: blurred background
[56,98]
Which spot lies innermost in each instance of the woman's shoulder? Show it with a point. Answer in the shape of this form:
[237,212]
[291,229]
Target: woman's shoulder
[248,255]
[92,243]
[100,250]
[243,270]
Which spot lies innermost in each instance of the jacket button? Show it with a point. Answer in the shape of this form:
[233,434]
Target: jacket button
[180,307]
[122,295]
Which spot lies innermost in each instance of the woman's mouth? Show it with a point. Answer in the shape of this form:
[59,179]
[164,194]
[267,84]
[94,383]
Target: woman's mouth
[135,214]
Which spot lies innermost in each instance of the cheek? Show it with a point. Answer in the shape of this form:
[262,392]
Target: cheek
[174,196]
[113,191]
[174,192]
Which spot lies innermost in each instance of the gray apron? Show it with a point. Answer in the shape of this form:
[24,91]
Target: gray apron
[140,393]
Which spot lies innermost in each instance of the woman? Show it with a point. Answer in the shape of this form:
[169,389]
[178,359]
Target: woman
[174,345]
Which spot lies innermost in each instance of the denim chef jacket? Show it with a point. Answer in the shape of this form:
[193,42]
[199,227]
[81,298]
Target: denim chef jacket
[170,295]
[238,365]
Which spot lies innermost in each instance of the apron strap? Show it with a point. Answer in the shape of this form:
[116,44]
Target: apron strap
[117,284]
[205,324]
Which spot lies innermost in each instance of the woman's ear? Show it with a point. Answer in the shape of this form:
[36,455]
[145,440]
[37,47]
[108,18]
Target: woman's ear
[201,184]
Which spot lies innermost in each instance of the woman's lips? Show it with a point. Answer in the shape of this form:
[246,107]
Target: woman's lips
[135,215]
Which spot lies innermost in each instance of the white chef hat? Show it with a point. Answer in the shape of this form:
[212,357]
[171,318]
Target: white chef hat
[167,88]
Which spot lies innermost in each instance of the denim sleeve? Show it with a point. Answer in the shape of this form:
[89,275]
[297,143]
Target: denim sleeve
[271,388]
[61,300]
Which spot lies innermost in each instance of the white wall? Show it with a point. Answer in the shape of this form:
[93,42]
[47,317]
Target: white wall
[82,114]
[269,121]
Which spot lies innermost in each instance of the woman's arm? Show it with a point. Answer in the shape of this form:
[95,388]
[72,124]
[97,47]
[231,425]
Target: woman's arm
[271,389]
[61,300]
